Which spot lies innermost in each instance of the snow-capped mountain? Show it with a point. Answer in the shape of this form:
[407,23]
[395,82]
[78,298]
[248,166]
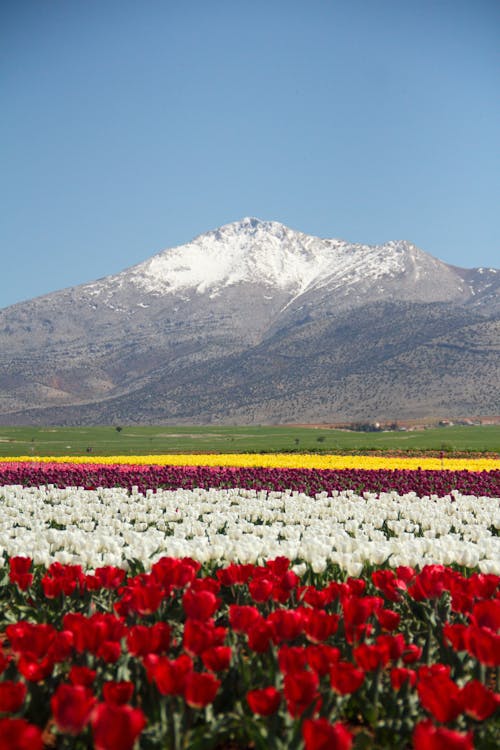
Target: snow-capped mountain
[270,254]
[250,320]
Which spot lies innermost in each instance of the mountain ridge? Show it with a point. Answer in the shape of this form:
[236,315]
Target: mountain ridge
[283,310]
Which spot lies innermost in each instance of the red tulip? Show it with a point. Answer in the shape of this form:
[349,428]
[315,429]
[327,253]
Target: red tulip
[300,690]
[455,635]
[483,644]
[426,736]
[292,659]
[320,658]
[429,583]
[12,695]
[477,701]
[265,701]
[198,636]
[319,734]
[260,636]
[200,689]
[234,574]
[390,585]
[170,674]
[345,677]
[401,675]
[287,624]
[116,727]
[117,693]
[319,625]
[82,676]
[388,619]
[110,577]
[370,657]
[260,589]
[20,572]
[200,605]
[71,706]
[242,617]
[18,734]
[439,694]
[486,614]
[142,640]
[217,658]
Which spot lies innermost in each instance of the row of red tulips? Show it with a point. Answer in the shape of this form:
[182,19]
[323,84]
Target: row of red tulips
[309,481]
[182,657]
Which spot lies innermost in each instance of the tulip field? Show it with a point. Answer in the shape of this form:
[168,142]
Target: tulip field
[249,602]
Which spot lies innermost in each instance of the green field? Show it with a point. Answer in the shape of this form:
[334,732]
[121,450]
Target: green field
[72,441]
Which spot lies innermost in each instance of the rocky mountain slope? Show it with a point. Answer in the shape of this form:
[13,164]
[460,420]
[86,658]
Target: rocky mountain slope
[255,322]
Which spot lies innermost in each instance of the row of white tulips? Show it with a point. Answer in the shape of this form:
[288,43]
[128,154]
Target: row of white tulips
[111,526]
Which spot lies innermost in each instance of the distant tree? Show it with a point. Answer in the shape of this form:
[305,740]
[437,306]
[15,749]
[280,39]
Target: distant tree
[118,428]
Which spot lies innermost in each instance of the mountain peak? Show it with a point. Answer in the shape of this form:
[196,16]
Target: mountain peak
[271,255]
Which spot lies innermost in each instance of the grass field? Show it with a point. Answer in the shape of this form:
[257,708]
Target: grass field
[102,441]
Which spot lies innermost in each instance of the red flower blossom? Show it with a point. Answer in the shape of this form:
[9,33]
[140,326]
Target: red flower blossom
[35,670]
[241,618]
[320,658]
[116,727]
[429,583]
[371,657]
[260,589]
[486,614]
[90,633]
[20,572]
[142,640]
[199,636]
[117,693]
[300,690]
[18,734]
[217,658]
[390,585]
[265,701]
[388,619]
[62,579]
[145,598]
[12,695]
[200,689]
[319,734]
[402,675]
[82,676]
[287,624]
[438,693]
[200,605]
[455,634]
[319,625]
[345,677]
[426,736]
[412,653]
[109,651]
[259,636]
[477,701]
[292,659]
[357,610]
[483,644]
[235,574]
[71,706]
[170,674]
[109,576]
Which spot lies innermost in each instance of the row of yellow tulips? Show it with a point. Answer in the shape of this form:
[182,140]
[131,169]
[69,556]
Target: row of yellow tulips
[279,460]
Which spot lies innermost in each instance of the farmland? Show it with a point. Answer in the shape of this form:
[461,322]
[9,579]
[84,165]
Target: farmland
[151,440]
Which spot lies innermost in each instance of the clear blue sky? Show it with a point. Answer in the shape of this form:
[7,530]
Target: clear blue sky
[132,126]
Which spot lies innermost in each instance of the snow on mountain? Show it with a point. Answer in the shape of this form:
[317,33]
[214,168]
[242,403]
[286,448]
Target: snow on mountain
[280,259]
[263,252]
